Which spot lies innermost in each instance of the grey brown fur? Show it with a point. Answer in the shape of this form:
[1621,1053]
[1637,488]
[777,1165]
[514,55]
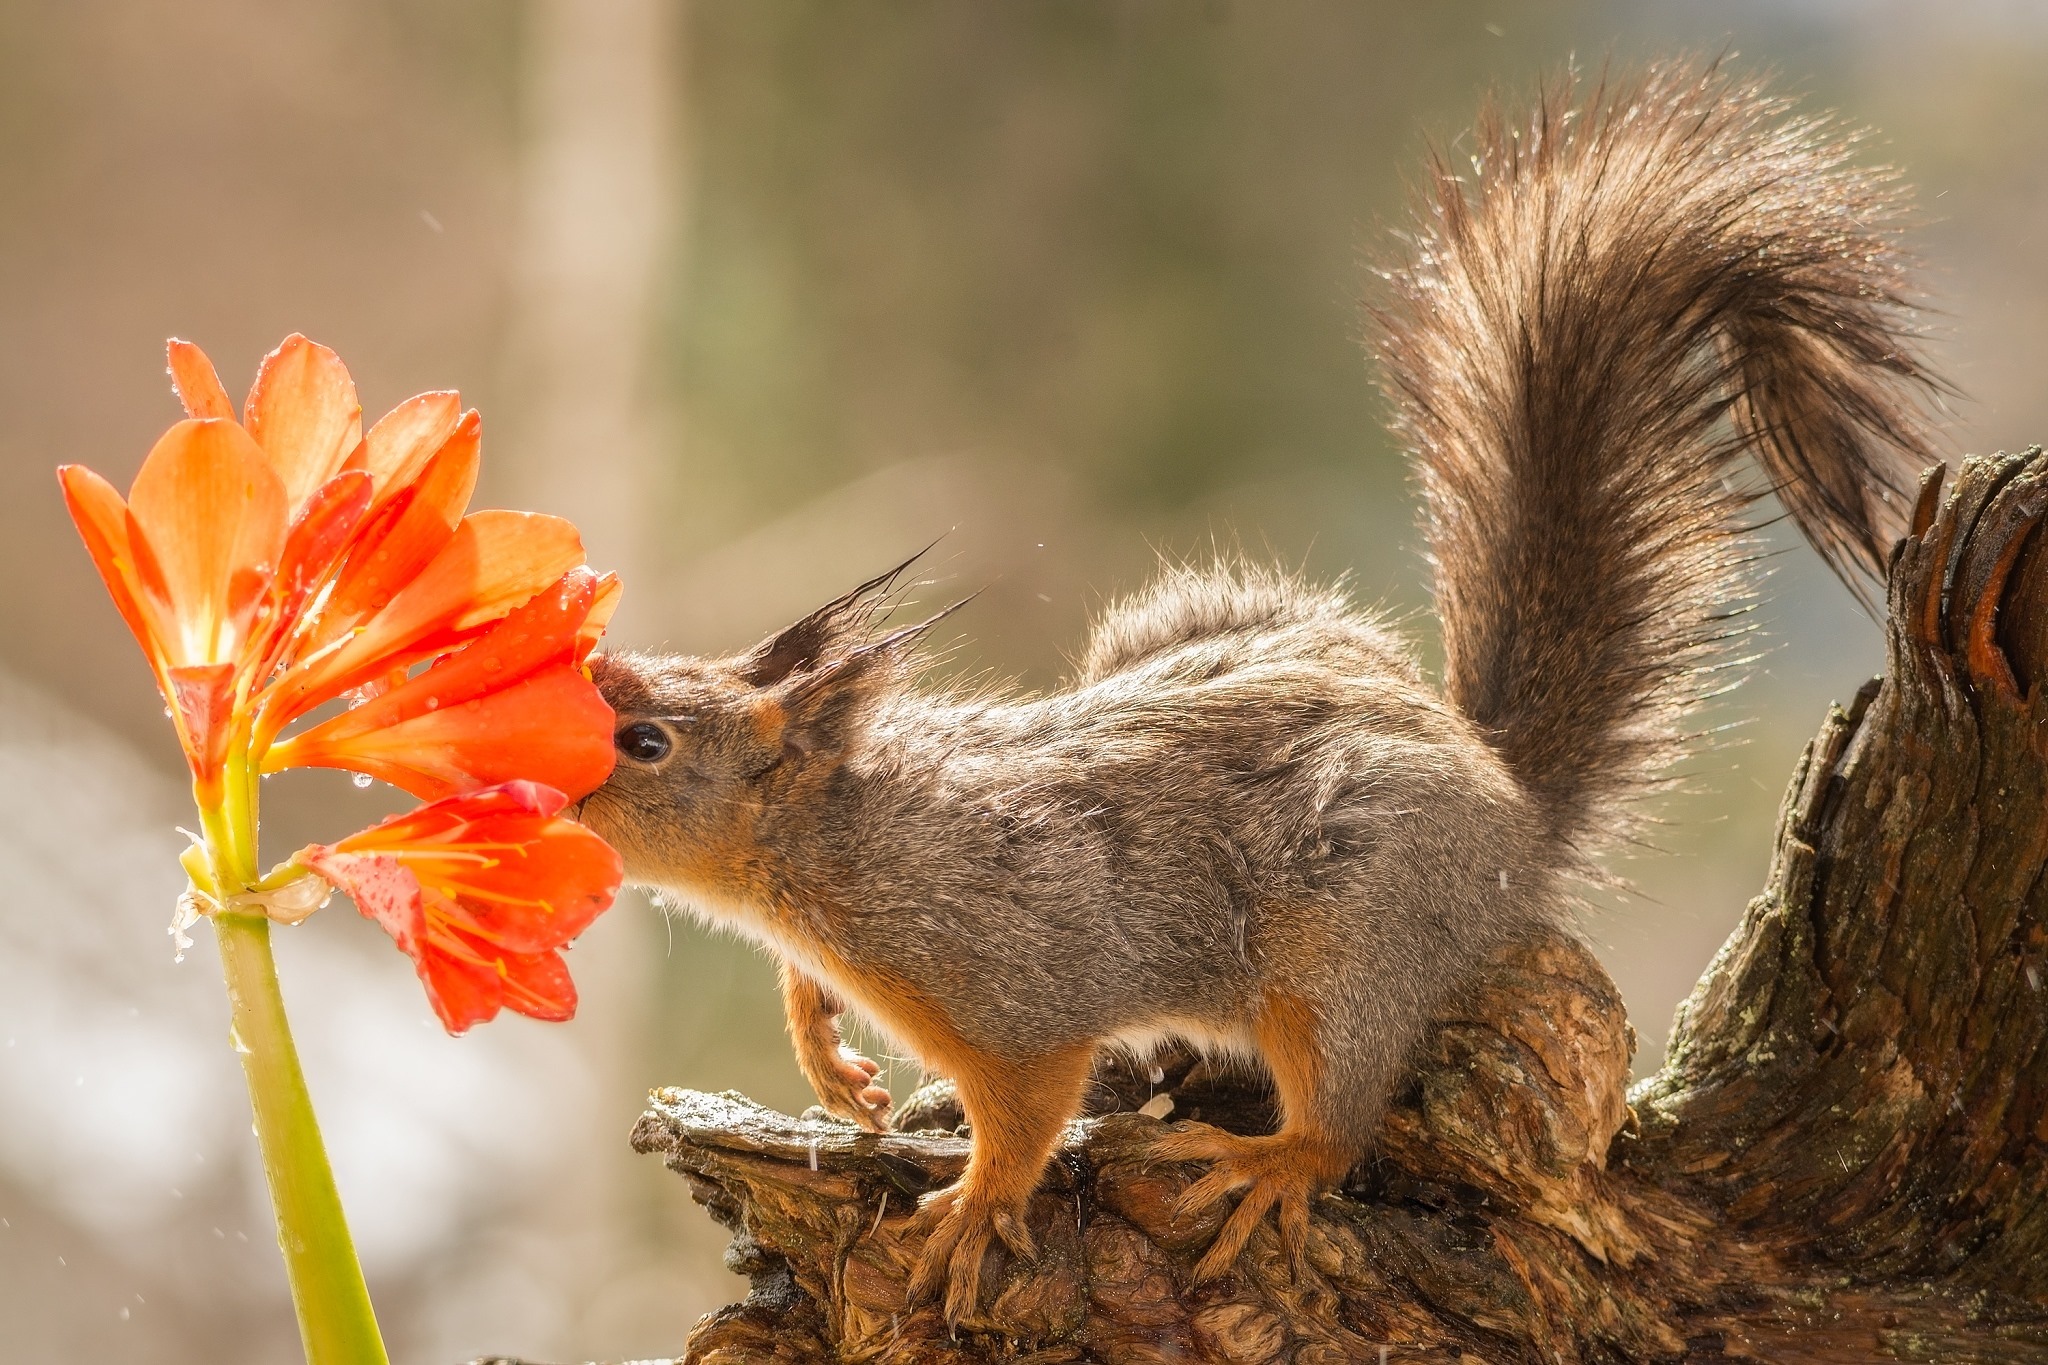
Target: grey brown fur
[1630,297]
[1249,820]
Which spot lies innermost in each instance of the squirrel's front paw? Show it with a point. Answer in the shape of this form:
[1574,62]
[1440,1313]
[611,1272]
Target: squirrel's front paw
[847,1088]
[959,1228]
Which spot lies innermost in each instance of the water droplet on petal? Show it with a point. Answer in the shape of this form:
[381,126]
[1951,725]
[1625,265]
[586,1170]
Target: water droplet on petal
[433,703]
[492,665]
[362,779]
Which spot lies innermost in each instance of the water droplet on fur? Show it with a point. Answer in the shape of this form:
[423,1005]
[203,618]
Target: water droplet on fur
[361,779]
[1156,1074]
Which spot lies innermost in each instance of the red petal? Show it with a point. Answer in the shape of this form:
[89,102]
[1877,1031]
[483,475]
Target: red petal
[425,825]
[537,985]
[203,696]
[405,438]
[538,633]
[303,412]
[480,890]
[603,604]
[102,521]
[560,879]
[502,865]
[212,517]
[468,981]
[383,888]
[510,704]
[463,993]
[197,385]
[551,727]
[316,540]
[406,533]
[493,563]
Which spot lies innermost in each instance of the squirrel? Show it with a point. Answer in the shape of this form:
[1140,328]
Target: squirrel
[1249,821]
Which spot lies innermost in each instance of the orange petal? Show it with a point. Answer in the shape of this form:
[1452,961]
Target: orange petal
[509,704]
[535,984]
[502,864]
[203,698]
[212,516]
[317,538]
[494,562]
[198,387]
[405,438]
[383,888]
[551,727]
[480,890]
[468,982]
[464,990]
[606,601]
[102,521]
[404,534]
[303,411]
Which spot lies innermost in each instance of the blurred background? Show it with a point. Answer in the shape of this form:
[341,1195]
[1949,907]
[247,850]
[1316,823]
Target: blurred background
[764,295]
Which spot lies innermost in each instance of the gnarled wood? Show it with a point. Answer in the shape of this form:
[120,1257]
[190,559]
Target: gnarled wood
[1845,1158]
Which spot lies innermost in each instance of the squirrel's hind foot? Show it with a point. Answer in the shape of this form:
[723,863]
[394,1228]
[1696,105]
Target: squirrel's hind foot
[1280,1174]
[959,1229]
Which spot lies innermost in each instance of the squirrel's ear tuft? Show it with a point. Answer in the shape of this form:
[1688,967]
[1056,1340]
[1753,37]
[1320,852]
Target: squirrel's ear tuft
[795,647]
[824,703]
[834,630]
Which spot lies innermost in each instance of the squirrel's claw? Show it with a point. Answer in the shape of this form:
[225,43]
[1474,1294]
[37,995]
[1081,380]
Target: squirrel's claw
[959,1229]
[1272,1171]
[848,1089]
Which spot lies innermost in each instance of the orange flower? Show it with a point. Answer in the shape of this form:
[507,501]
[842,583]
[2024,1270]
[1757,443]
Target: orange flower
[234,532]
[273,564]
[511,704]
[481,891]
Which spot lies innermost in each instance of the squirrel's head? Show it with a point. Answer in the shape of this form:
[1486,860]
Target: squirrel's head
[716,757]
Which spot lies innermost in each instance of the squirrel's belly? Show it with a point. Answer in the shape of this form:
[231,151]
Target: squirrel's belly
[1210,1037]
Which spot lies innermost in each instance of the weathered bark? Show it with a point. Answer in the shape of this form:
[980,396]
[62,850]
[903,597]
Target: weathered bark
[1845,1158]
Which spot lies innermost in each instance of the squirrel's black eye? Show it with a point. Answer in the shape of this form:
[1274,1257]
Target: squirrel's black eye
[644,742]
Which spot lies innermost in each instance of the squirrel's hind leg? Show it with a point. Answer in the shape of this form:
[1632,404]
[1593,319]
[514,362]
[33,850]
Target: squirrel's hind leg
[1324,1128]
[1017,1111]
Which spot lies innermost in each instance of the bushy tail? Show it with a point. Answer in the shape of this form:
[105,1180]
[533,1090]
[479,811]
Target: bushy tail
[1633,292]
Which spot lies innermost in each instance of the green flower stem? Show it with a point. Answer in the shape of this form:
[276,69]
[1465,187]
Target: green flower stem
[336,1322]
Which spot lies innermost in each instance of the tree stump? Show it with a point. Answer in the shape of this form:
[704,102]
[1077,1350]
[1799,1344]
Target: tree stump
[1845,1158]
